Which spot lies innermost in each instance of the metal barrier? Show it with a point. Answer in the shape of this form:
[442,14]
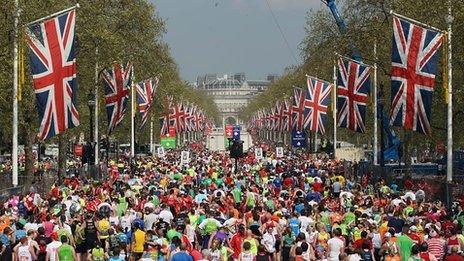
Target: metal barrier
[8,192]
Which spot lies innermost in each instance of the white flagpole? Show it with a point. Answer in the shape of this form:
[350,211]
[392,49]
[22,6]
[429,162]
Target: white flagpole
[375,147]
[53,15]
[14,153]
[151,135]
[96,139]
[334,102]
[132,121]
[449,163]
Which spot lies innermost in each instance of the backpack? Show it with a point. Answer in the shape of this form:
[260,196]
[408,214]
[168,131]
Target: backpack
[113,242]
[42,246]
[42,249]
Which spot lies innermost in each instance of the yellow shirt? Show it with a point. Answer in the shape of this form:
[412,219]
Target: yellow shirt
[103,227]
[139,241]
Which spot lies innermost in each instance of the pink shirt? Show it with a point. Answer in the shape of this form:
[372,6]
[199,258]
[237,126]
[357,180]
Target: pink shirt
[48,226]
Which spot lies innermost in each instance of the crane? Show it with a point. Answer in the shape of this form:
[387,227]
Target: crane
[390,143]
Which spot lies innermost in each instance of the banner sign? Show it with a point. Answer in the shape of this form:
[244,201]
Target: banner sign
[168,143]
[184,157]
[172,131]
[298,139]
[229,130]
[236,132]
[259,153]
[160,152]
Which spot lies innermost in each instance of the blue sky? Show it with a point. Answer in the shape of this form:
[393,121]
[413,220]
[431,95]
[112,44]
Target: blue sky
[227,36]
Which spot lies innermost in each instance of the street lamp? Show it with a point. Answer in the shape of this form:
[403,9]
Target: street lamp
[91,104]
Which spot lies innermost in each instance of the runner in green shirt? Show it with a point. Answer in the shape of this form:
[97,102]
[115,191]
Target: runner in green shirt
[405,244]
[65,252]
[237,195]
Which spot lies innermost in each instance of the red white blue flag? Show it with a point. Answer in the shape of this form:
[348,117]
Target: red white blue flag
[189,117]
[53,64]
[288,116]
[316,104]
[117,85]
[353,88]
[165,120]
[280,108]
[298,108]
[414,65]
[177,117]
[145,95]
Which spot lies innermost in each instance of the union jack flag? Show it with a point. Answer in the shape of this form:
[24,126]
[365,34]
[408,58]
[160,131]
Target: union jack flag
[189,117]
[145,95]
[298,108]
[288,115]
[165,120]
[414,65]
[197,119]
[53,62]
[177,117]
[273,118]
[117,84]
[203,120]
[353,87]
[280,107]
[316,103]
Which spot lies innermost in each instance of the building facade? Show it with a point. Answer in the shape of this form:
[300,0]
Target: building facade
[232,92]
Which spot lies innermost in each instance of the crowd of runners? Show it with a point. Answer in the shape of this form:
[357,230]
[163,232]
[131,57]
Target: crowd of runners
[298,207]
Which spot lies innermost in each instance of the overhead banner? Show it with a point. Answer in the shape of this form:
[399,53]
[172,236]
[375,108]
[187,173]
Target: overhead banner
[298,139]
[168,143]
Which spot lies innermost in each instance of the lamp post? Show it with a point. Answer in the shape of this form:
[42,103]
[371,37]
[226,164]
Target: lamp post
[91,104]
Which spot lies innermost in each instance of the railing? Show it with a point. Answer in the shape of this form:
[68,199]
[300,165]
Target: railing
[42,183]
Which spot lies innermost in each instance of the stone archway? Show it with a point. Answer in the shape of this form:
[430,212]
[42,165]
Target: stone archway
[230,120]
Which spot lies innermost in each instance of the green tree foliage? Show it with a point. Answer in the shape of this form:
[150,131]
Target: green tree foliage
[121,30]
[369,22]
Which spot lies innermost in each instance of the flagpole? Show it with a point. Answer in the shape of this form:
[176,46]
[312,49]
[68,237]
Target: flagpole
[334,102]
[132,121]
[96,141]
[151,135]
[417,22]
[449,162]
[375,147]
[53,15]
[14,153]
